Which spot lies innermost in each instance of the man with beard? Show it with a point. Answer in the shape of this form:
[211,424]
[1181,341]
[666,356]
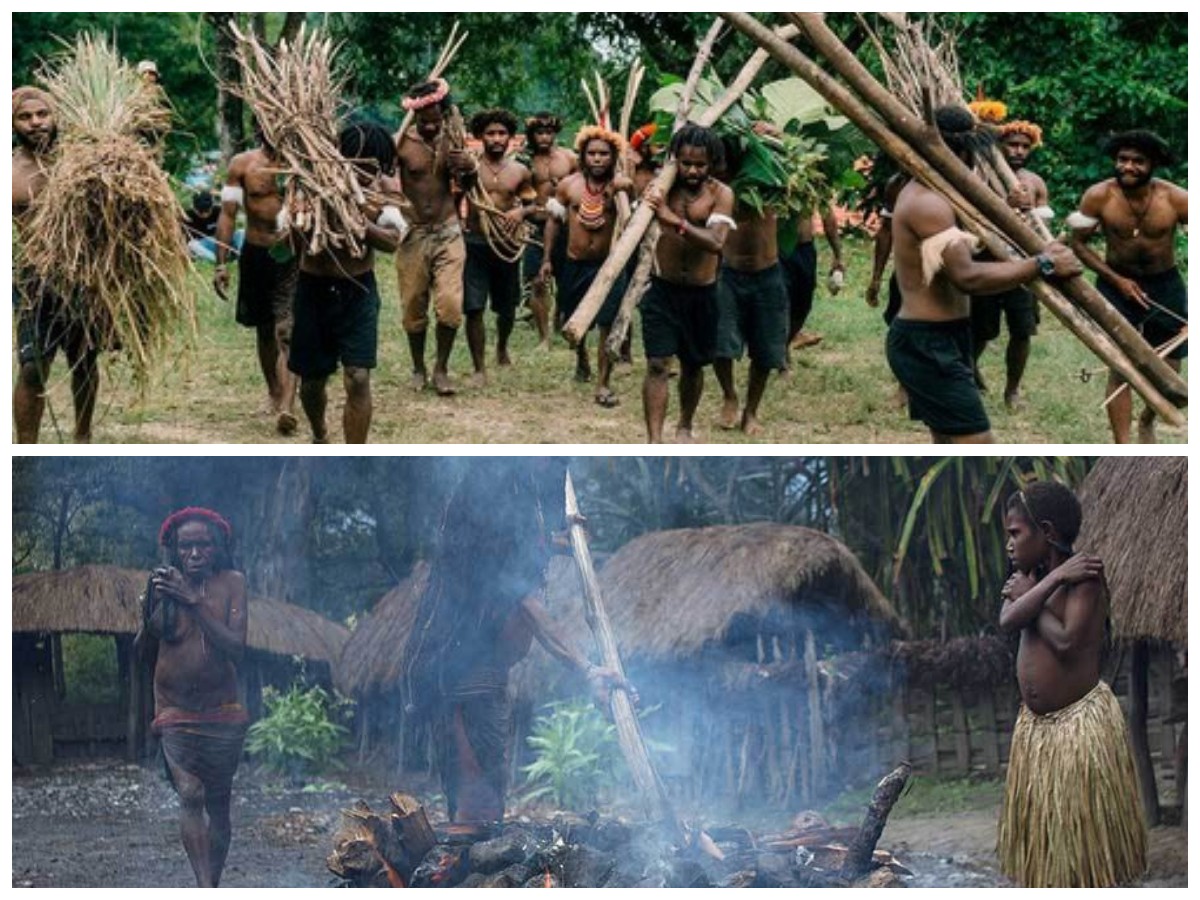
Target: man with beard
[506,187]
[431,256]
[679,312]
[45,322]
[753,306]
[586,203]
[337,301]
[929,341]
[193,634]
[267,271]
[1019,307]
[1138,215]
[549,165]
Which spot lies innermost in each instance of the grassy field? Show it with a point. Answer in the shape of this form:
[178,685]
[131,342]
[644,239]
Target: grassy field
[839,392]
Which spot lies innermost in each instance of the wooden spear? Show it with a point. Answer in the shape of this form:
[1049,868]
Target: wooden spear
[629,729]
[579,323]
[874,128]
[995,208]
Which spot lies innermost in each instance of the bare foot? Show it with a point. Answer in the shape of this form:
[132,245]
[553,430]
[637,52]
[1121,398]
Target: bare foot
[443,385]
[504,361]
[684,436]
[806,339]
[286,424]
[1013,401]
[479,380]
[730,414]
[583,375]
[607,399]
[1146,433]
[418,381]
[751,427]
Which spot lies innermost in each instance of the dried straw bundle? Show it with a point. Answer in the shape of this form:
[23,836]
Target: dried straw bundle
[104,233]
[295,95]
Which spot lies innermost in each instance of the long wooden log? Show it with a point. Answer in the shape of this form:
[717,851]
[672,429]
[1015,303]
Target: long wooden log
[862,848]
[579,323]
[922,134]
[639,283]
[629,729]
[909,159]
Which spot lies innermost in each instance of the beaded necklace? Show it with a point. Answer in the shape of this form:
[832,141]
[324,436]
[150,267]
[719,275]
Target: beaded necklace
[591,208]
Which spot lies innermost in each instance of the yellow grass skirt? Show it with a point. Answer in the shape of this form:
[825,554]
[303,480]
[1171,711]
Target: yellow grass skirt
[1072,811]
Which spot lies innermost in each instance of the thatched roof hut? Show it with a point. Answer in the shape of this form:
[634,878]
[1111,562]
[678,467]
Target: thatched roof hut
[373,656]
[105,600]
[1135,513]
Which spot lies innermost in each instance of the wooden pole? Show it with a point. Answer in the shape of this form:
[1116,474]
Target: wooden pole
[995,208]
[1139,682]
[629,729]
[874,128]
[579,323]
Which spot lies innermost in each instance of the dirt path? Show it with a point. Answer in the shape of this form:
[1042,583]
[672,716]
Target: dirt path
[107,824]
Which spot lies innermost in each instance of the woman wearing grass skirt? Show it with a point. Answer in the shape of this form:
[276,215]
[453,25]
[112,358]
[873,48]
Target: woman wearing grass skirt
[1072,814]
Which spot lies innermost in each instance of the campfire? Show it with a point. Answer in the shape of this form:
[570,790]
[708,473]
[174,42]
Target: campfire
[400,848]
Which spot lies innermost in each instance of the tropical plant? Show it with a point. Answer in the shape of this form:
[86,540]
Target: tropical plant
[576,749]
[299,736]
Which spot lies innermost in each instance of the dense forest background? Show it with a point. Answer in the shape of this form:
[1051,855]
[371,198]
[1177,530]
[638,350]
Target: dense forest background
[335,534]
[1081,75]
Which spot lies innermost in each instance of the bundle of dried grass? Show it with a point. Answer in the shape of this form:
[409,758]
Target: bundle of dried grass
[295,94]
[104,233]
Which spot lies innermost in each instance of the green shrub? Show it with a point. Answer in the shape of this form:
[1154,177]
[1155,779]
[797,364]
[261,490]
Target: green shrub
[298,737]
[576,749]
[90,669]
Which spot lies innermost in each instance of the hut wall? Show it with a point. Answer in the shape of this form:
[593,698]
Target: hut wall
[34,700]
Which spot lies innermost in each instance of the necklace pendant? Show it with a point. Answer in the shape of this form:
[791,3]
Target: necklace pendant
[1137,232]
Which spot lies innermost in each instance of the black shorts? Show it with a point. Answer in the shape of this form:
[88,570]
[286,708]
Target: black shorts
[1157,327]
[576,280]
[754,314]
[1020,311]
[934,363]
[680,320]
[800,277]
[487,275]
[531,262]
[895,300]
[45,325]
[266,287]
[336,320]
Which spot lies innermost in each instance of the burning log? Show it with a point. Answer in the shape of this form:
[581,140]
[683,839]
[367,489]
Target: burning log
[862,849]
[373,850]
[954,181]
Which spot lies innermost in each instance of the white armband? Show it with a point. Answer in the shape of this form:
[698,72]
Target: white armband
[720,219]
[1045,213]
[231,194]
[283,221]
[1079,222]
[556,209]
[391,217]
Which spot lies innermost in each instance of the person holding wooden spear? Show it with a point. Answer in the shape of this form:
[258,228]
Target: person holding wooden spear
[680,312]
[431,258]
[1138,215]
[929,342]
[497,205]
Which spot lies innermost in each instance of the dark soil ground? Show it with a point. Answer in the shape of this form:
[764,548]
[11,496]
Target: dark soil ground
[109,824]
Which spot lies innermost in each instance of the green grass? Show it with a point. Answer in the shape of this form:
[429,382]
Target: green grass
[840,392]
[923,796]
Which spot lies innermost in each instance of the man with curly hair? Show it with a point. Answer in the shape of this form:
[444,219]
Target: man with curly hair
[498,205]
[193,636]
[585,204]
[1139,217]
[549,164]
[1018,139]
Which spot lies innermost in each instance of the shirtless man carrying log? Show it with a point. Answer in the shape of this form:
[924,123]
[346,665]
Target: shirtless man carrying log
[587,203]
[430,259]
[267,271]
[550,164]
[1072,816]
[495,238]
[44,322]
[679,312]
[193,634]
[929,341]
[1138,215]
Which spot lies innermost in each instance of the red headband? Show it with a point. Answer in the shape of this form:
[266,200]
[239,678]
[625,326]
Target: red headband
[175,519]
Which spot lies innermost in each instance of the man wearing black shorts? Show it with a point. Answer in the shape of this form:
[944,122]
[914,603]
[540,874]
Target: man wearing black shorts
[337,303]
[1139,216]
[549,164]
[680,311]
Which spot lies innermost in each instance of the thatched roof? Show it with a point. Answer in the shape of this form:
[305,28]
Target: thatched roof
[1135,514]
[667,594]
[672,592]
[373,656]
[105,599]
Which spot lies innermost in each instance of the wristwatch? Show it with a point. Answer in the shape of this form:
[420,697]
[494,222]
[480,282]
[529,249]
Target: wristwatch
[1045,265]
